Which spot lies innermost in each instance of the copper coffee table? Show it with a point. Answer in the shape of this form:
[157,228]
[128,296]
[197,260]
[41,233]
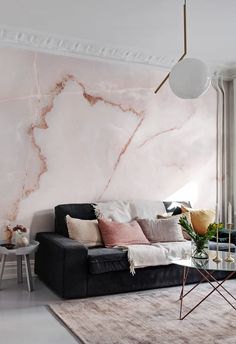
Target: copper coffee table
[206,269]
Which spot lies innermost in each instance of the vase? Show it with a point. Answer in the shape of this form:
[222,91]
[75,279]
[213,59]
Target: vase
[21,239]
[199,249]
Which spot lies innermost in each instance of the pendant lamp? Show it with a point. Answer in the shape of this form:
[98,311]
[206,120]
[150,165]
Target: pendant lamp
[190,77]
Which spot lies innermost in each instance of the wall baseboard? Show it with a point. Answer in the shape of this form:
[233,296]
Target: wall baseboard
[10,270]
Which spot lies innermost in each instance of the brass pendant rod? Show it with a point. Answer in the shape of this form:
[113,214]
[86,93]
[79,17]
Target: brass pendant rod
[185,47]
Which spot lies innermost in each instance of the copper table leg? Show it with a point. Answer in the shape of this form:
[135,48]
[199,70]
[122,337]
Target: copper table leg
[206,277]
[215,280]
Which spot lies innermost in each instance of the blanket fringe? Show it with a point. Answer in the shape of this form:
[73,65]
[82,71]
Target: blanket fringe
[132,269]
[131,263]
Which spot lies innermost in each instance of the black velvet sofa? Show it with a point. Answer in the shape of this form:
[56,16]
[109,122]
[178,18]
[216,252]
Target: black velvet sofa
[74,271]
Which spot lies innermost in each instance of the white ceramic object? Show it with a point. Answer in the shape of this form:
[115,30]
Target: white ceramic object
[21,238]
[22,241]
[189,78]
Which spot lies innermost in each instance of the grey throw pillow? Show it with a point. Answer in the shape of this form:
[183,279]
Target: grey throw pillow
[162,230]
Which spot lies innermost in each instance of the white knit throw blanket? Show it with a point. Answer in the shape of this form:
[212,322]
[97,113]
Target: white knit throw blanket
[141,256]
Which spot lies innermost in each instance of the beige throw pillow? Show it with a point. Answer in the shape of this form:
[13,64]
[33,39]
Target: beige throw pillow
[84,231]
[162,230]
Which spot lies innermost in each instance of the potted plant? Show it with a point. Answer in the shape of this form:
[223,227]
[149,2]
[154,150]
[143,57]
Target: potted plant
[200,241]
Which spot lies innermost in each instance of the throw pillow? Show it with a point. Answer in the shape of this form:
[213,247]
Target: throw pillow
[200,218]
[121,234]
[146,209]
[162,230]
[177,211]
[172,205]
[167,216]
[84,231]
[125,211]
[114,210]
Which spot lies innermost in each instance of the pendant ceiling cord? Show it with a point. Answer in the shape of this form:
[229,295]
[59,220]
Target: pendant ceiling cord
[185,47]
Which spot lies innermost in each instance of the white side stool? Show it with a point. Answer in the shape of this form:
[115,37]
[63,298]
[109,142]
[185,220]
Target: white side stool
[20,253]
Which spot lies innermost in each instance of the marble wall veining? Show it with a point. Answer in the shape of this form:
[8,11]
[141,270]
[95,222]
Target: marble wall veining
[80,130]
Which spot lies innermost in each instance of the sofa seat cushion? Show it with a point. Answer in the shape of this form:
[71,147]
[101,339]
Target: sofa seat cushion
[221,246]
[102,260]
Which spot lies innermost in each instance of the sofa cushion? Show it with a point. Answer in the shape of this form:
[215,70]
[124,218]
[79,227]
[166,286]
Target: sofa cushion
[221,246]
[113,210]
[174,207]
[125,211]
[162,230]
[224,236]
[121,234]
[188,216]
[84,231]
[200,218]
[146,209]
[102,260]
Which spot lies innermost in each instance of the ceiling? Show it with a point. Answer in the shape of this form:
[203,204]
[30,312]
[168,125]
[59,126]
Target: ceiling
[140,31]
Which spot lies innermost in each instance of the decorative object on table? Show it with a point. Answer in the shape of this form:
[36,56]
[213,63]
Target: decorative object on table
[201,263]
[199,241]
[7,237]
[20,235]
[229,258]
[217,258]
[21,239]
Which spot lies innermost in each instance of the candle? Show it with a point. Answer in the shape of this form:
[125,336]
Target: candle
[229,213]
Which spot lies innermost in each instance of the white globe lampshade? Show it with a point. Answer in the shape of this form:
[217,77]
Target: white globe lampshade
[189,78]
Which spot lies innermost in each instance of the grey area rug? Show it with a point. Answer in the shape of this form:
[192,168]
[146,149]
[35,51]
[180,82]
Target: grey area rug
[150,317]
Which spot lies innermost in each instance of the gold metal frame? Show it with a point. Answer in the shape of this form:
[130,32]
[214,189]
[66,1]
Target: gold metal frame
[185,48]
[229,258]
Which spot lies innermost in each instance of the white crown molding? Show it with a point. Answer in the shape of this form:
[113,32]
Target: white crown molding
[77,47]
[59,45]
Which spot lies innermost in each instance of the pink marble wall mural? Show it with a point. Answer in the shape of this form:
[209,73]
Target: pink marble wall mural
[76,130]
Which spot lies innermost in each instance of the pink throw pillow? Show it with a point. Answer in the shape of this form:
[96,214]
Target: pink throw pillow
[118,234]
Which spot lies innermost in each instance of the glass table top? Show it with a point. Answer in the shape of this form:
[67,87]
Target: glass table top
[209,264]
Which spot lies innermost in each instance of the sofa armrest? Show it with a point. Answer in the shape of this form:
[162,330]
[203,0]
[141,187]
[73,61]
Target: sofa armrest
[62,263]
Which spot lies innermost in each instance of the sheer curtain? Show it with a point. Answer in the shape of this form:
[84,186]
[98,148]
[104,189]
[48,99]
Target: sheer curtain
[225,147]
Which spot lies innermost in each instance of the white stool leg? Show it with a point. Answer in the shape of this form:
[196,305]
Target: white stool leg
[28,272]
[19,269]
[2,268]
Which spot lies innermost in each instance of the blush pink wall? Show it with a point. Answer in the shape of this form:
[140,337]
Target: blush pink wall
[76,130]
